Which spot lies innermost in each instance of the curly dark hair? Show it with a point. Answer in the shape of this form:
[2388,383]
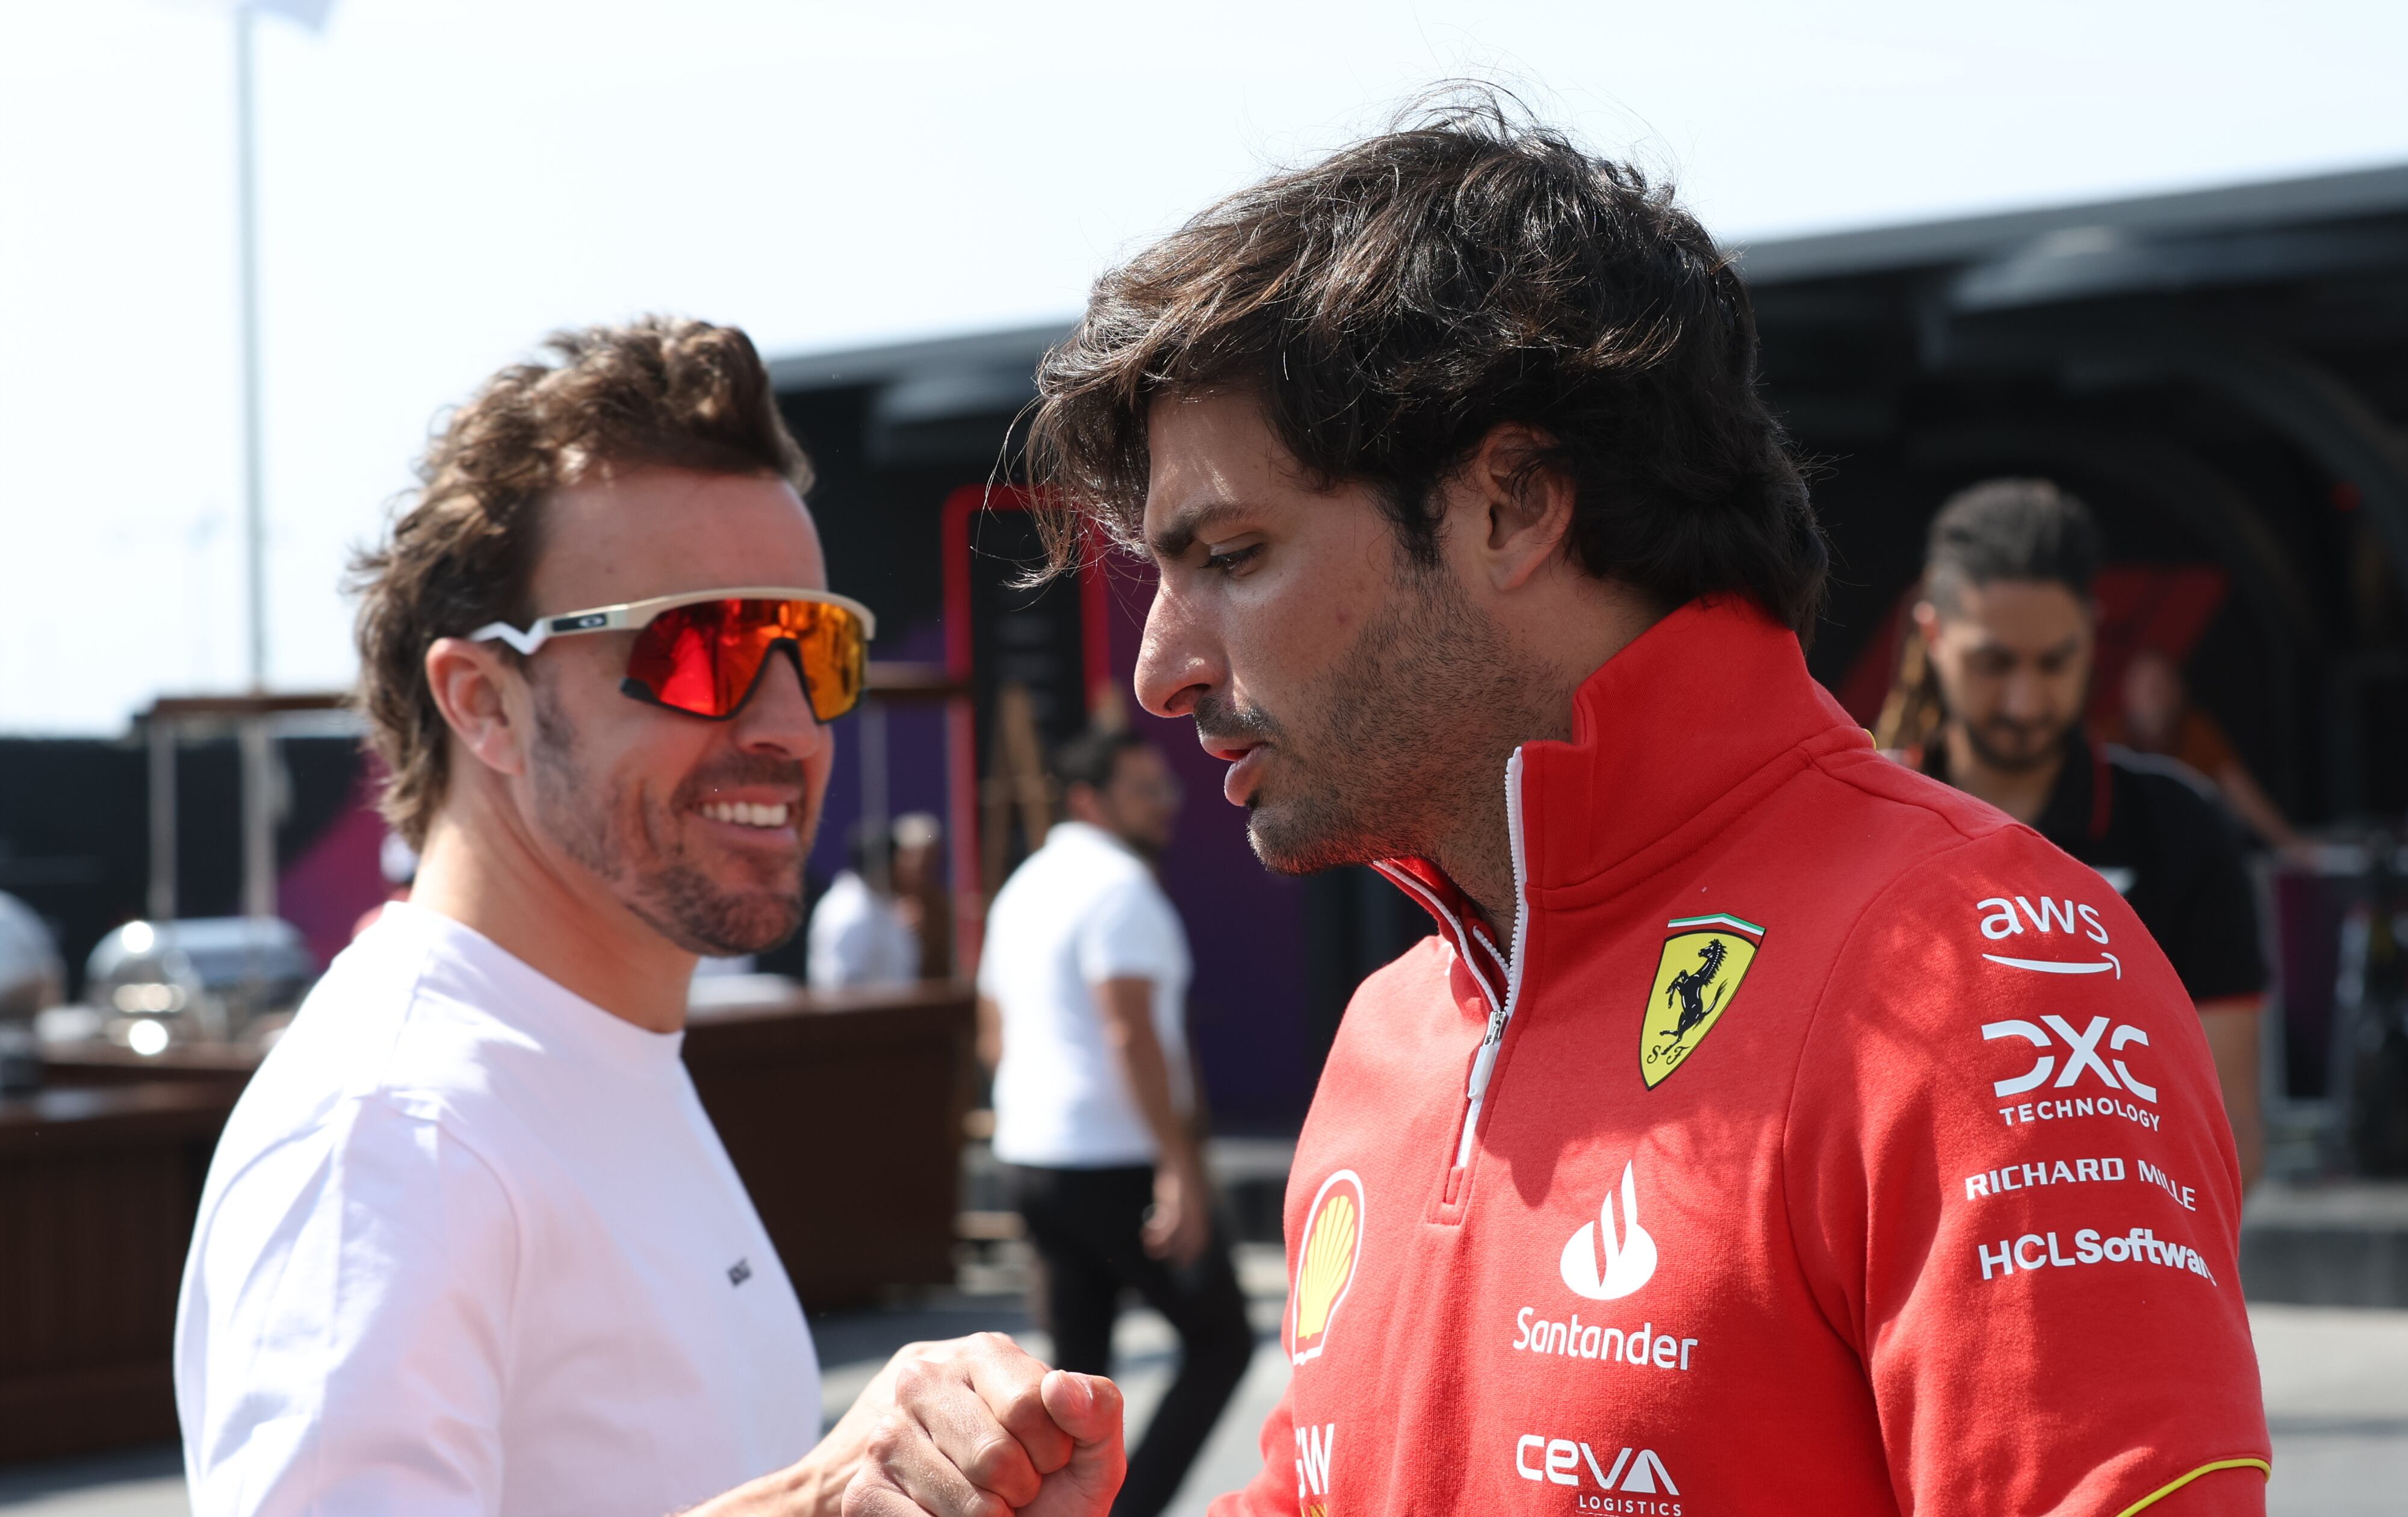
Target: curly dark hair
[659,391]
[1391,304]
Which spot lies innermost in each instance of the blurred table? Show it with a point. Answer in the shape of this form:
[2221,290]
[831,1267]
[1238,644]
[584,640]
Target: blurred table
[843,1114]
[98,1187]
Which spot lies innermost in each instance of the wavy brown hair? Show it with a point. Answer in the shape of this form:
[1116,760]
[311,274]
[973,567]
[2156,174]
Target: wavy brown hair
[462,549]
[1393,303]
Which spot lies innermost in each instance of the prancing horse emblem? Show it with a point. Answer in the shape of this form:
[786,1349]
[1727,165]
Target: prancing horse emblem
[1695,980]
[1691,986]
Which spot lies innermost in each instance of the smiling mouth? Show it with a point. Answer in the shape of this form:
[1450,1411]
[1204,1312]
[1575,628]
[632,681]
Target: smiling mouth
[768,818]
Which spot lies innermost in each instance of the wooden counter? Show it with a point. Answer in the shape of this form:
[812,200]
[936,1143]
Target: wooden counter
[98,1192]
[843,1114]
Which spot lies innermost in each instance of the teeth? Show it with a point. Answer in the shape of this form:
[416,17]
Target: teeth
[747,813]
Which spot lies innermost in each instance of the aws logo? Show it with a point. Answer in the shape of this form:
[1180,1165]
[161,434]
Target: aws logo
[2001,922]
[1325,1267]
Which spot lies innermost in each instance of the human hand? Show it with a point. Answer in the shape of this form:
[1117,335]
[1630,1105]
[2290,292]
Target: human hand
[977,1428]
[1179,1225]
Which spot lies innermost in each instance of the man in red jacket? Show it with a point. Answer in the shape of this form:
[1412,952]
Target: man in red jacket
[1765,1128]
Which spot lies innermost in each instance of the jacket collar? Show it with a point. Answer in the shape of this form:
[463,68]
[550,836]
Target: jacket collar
[1663,731]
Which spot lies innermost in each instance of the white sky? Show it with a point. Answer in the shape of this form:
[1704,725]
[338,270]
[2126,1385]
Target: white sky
[443,180]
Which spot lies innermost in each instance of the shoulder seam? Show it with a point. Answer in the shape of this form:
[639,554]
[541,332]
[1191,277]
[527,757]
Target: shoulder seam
[1823,766]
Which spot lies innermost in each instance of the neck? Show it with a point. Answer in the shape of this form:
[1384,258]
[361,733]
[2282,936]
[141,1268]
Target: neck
[2021,794]
[485,872]
[1478,855]
[1566,648]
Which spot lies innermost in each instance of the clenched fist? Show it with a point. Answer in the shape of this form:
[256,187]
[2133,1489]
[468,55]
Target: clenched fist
[976,1428]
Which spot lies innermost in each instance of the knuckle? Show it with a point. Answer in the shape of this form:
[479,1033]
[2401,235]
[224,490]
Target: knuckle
[991,1461]
[888,1438]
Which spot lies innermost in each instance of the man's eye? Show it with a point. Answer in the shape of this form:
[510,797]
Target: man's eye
[1232,559]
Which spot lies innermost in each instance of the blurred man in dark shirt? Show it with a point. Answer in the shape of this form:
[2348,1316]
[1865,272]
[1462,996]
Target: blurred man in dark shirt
[2008,635]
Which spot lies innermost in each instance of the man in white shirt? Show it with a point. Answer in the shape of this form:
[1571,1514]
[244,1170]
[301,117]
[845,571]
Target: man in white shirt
[469,1244]
[859,937]
[1083,1001]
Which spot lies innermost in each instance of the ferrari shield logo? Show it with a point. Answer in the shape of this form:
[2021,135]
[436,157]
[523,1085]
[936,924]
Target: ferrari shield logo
[1695,980]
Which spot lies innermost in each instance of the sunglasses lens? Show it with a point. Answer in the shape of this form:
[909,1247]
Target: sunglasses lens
[703,659]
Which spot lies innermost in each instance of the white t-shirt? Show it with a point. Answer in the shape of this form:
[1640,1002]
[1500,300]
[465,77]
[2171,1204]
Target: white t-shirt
[1081,911]
[858,939]
[470,1245]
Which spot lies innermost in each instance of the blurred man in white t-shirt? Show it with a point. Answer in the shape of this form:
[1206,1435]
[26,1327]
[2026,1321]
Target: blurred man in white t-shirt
[1082,1000]
[860,936]
[469,1244]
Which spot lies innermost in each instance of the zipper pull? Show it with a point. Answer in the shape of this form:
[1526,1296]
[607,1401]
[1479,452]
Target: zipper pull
[1485,1063]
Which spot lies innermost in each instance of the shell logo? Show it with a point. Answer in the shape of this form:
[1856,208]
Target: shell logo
[1325,1267]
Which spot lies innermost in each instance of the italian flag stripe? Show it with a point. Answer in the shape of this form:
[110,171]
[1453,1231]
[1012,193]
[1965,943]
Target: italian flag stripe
[1738,923]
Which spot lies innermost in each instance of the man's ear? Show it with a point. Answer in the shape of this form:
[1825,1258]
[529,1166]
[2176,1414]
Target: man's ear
[1525,507]
[472,688]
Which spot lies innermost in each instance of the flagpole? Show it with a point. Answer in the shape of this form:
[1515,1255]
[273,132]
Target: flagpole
[254,524]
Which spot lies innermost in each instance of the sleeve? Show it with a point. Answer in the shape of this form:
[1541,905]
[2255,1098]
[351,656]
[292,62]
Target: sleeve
[2014,1193]
[346,1331]
[1275,1490]
[1127,934]
[2214,946]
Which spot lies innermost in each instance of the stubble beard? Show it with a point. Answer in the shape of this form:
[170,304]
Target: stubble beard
[1402,745]
[2007,761]
[607,828]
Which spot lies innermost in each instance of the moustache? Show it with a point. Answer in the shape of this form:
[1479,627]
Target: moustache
[1223,722]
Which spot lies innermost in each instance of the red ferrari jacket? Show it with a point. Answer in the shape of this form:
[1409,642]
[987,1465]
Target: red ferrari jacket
[1826,1142]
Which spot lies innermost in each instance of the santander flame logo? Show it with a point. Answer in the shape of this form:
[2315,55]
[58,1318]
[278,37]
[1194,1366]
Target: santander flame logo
[1627,1257]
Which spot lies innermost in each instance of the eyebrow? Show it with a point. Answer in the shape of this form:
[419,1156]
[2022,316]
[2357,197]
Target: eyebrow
[1177,534]
[2068,647]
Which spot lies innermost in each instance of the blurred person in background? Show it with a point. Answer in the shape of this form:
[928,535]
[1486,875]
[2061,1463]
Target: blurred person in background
[470,1243]
[920,892]
[2158,717]
[1660,1176]
[2007,629]
[1082,1006]
[861,935]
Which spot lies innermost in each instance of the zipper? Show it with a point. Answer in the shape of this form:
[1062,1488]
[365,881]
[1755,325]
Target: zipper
[1500,1016]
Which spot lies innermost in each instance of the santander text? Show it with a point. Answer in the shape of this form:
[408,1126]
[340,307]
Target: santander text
[1575,1340]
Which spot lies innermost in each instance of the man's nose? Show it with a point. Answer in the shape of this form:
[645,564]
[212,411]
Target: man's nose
[2026,696]
[779,716]
[1176,661]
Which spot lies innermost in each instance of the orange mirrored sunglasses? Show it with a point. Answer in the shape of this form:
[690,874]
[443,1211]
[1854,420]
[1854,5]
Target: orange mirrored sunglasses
[702,654]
